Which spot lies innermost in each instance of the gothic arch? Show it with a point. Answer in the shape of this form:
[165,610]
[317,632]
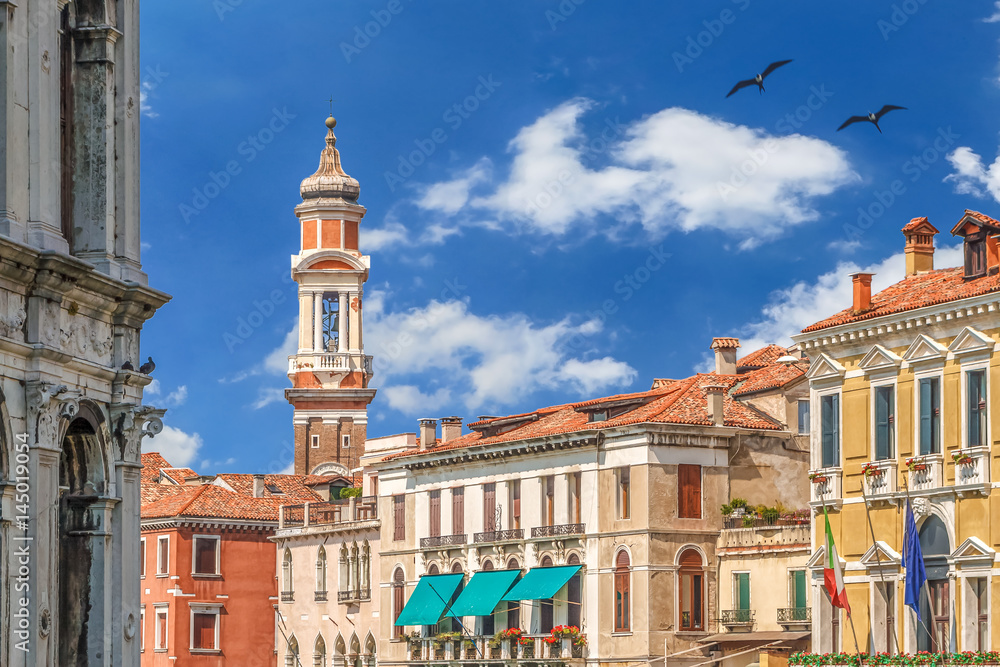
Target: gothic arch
[355,650]
[680,551]
[319,651]
[292,652]
[371,649]
[339,651]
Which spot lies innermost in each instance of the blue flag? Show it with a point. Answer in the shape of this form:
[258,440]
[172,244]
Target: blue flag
[913,561]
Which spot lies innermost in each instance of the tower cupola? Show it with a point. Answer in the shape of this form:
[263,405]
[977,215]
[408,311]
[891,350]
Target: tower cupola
[330,181]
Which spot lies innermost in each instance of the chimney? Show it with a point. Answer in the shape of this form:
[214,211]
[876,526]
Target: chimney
[428,433]
[862,291]
[258,486]
[919,249]
[716,395]
[725,355]
[451,428]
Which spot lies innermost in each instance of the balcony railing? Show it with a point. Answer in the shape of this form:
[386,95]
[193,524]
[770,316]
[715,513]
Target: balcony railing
[559,530]
[443,541]
[748,521]
[737,617]
[343,510]
[480,649]
[499,536]
[319,596]
[794,615]
[881,477]
[826,485]
[356,595]
[926,472]
[972,467]
[330,362]
[287,596]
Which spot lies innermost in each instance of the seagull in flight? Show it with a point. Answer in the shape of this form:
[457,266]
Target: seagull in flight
[872,118]
[759,79]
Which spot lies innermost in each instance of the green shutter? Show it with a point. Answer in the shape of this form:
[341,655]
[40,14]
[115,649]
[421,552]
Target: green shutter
[975,394]
[926,416]
[799,589]
[743,584]
[883,428]
[830,415]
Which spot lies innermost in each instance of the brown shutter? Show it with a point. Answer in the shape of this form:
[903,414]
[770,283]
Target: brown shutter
[398,518]
[489,508]
[689,491]
[458,511]
[435,513]
[516,505]
[204,631]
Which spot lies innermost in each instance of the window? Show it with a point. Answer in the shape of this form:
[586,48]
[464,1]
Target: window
[513,608]
[206,554]
[803,417]
[575,489]
[398,601]
[940,615]
[321,573]
[399,517]
[205,627]
[160,631]
[975,254]
[689,491]
[515,504]
[624,493]
[741,591]
[142,558]
[373,485]
[435,502]
[142,628]
[489,508]
[930,416]
[458,510]
[548,500]
[487,625]
[980,585]
[346,442]
[830,430]
[315,442]
[547,606]
[885,609]
[885,409]
[623,585]
[286,577]
[574,595]
[691,578]
[797,594]
[976,401]
[365,574]
[162,555]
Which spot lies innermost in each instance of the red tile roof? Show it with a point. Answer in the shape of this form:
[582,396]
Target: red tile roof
[293,487]
[980,218]
[925,289]
[915,223]
[763,357]
[208,501]
[771,377]
[720,343]
[675,402]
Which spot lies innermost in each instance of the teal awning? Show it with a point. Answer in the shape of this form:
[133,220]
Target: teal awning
[541,583]
[429,599]
[483,592]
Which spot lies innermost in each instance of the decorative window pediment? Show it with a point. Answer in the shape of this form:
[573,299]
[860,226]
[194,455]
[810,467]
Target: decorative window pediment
[818,559]
[969,341]
[825,367]
[925,349]
[880,359]
[882,554]
[972,550]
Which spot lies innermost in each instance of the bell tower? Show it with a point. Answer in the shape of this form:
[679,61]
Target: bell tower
[330,371]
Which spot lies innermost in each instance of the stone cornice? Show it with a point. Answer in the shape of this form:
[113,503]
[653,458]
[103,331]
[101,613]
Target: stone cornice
[167,523]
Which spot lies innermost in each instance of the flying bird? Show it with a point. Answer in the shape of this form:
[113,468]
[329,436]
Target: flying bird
[872,118]
[127,366]
[759,79]
[147,367]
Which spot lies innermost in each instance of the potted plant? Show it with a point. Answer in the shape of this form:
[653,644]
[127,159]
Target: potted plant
[916,463]
[961,458]
[817,478]
[872,470]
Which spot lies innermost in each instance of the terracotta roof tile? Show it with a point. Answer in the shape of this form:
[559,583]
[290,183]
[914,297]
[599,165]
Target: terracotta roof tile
[762,357]
[915,223]
[721,343]
[919,291]
[209,501]
[771,377]
[291,487]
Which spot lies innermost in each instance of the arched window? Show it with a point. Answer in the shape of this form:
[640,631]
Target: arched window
[319,652]
[546,620]
[488,627]
[935,547]
[455,624]
[574,595]
[321,574]
[690,592]
[623,592]
[398,592]
[513,608]
[370,651]
[286,577]
[355,652]
[366,571]
[344,583]
[433,569]
[355,580]
[292,652]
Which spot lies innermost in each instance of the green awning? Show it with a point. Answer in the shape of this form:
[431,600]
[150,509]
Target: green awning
[429,599]
[483,592]
[541,583]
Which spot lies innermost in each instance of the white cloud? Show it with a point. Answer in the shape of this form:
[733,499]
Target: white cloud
[268,395]
[995,17]
[971,176]
[674,170]
[375,239]
[176,397]
[176,446]
[277,361]
[152,389]
[791,310]
[144,106]
[484,361]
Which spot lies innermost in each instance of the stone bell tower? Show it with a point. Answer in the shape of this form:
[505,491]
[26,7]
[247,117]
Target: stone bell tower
[330,371]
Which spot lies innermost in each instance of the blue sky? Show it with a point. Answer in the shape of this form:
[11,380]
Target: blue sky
[562,203]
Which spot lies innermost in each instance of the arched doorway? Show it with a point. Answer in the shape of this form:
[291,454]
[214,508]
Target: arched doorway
[935,547]
[319,652]
[84,520]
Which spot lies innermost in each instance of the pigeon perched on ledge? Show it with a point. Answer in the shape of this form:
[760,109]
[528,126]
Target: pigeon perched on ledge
[127,366]
[147,367]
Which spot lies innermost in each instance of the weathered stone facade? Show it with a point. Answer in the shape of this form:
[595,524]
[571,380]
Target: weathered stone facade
[73,299]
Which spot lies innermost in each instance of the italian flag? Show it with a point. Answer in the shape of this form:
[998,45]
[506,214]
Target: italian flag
[833,577]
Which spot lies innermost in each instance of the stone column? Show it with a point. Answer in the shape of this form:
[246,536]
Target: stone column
[305,322]
[127,113]
[318,322]
[355,328]
[342,322]
[13,123]
[94,184]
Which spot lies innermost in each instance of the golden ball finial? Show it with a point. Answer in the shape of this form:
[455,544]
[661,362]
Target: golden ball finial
[331,122]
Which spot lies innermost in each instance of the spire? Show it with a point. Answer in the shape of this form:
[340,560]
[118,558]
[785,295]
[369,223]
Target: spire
[330,180]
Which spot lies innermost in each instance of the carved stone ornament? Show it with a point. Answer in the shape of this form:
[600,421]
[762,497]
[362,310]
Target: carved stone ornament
[44,622]
[129,627]
[921,507]
[560,549]
[132,423]
[44,412]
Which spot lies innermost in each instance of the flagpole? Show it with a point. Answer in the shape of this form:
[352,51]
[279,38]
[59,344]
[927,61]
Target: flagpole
[927,588]
[878,560]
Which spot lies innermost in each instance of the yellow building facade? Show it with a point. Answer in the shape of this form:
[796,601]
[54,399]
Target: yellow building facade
[902,401]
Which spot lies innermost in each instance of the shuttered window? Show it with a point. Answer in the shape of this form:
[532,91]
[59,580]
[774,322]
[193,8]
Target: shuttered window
[435,501]
[458,510]
[976,397]
[741,592]
[689,491]
[690,592]
[489,507]
[398,590]
[515,504]
[624,493]
[830,429]
[930,416]
[884,423]
[798,586]
[398,518]
[204,631]
[623,586]
[206,555]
